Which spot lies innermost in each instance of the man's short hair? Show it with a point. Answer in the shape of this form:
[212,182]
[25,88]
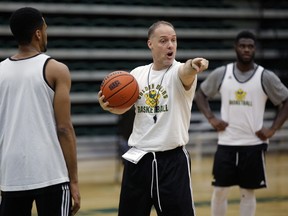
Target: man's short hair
[155,25]
[245,34]
[24,22]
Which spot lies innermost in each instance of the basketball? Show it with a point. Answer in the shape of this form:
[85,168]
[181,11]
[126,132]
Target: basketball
[120,89]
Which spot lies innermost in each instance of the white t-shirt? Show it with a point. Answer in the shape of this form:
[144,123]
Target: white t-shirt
[173,110]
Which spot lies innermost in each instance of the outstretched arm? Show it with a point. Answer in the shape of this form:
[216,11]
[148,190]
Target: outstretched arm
[190,69]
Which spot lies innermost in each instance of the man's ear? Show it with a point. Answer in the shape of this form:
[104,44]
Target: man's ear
[38,34]
[149,43]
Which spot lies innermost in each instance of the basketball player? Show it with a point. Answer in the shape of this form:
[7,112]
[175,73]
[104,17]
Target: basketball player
[37,139]
[244,87]
[157,165]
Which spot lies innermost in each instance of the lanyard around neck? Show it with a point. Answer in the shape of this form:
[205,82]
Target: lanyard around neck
[157,95]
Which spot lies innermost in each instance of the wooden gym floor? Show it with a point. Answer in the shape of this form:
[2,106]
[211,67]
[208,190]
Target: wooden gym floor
[100,189]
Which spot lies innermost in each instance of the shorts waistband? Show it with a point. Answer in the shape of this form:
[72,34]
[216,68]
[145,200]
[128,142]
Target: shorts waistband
[169,152]
[258,147]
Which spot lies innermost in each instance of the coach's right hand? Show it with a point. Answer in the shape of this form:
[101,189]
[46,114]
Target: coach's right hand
[105,105]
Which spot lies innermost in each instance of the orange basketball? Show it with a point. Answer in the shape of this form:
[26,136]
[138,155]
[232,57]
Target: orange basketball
[120,89]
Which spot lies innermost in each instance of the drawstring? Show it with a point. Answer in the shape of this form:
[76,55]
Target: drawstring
[154,164]
[237,158]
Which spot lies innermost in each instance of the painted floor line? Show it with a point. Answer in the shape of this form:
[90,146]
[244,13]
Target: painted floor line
[197,204]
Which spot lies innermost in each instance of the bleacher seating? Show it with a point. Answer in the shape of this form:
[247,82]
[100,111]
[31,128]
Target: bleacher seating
[95,37]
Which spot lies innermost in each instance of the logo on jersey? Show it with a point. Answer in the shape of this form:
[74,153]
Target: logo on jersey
[240,95]
[152,98]
[153,95]
[240,98]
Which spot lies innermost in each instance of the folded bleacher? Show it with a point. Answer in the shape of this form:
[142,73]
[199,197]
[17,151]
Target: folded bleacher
[95,37]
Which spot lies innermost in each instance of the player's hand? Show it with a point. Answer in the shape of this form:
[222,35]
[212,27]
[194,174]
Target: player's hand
[218,124]
[75,198]
[104,104]
[265,133]
[199,64]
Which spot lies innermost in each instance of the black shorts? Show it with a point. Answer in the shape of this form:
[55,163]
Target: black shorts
[240,165]
[159,179]
[53,200]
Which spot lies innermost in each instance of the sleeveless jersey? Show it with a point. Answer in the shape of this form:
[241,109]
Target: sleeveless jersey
[242,106]
[173,110]
[30,152]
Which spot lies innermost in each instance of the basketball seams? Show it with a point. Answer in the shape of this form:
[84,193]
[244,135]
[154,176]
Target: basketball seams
[128,100]
[109,81]
[121,73]
[120,89]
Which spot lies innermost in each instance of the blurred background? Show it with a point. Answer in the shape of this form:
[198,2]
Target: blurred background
[96,37]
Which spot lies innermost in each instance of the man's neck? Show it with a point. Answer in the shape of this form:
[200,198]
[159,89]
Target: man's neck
[26,52]
[245,67]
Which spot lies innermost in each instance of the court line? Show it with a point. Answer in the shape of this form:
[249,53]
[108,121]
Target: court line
[94,212]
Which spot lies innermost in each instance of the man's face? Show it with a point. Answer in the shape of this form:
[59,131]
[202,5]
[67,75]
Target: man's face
[245,50]
[163,45]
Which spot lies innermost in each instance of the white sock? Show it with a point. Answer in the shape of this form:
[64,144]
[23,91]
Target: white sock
[219,201]
[247,202]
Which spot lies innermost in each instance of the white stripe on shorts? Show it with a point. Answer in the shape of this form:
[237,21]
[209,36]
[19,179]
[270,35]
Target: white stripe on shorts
[65,201]
[189,172]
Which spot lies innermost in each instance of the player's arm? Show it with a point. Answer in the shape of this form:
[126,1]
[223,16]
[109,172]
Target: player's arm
[58,76]
[278,94]
[203,105]
[281,117]
[189,70]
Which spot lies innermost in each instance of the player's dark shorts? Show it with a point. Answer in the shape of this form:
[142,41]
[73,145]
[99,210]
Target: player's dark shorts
[159,179]
[240,165]
[50,201]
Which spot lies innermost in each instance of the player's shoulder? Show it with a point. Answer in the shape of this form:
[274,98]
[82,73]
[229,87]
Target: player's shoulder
[270,78]
[218,71]
[140,69]
[269,75]
[56,65]
[268,72]
[57,70]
